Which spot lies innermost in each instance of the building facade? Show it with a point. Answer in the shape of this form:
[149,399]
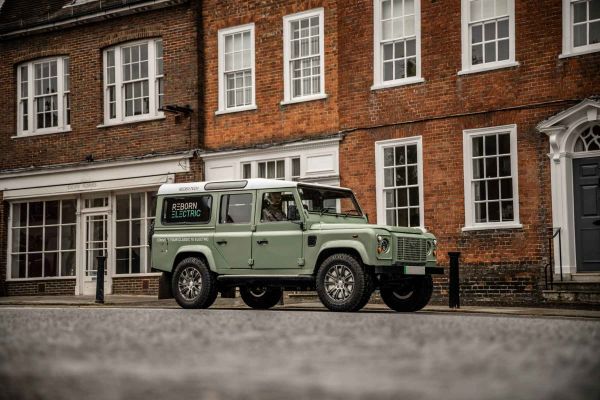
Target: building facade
[87,137]
[440,115]
[474,119]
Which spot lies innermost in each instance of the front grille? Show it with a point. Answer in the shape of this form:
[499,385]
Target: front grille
[411,250]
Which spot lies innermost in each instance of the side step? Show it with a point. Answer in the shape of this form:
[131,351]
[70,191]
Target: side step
[276,280]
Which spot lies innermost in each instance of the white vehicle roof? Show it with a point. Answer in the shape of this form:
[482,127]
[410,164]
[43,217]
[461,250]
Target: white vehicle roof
[241,184]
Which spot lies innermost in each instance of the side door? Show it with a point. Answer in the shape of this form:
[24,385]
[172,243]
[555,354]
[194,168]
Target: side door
[233,233]
[277,241]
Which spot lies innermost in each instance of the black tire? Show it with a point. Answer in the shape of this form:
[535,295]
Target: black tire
[341,296]
[412,296]
[261,297]
[200,293]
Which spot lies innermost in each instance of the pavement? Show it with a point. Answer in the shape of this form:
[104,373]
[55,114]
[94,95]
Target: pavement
[131,301]
[137,353]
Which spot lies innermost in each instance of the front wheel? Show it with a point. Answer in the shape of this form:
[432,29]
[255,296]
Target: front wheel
[412,295]
[343,284]
[261,297]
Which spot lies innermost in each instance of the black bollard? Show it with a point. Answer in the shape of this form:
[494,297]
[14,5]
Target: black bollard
[453,283]
[100,279]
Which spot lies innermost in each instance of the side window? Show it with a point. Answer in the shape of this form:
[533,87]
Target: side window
[278,206]
[236,209]
[187,210]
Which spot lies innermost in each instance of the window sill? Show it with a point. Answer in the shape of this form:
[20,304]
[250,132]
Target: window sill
[486,68]
[133,121]
[140,275]
[403,82]
[26,135]
[575,53]
[47,278]
[303,99]
[237,109]
[491,227]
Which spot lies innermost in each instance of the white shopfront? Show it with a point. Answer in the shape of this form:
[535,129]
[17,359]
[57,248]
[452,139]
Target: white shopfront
[62,219]
[309,161]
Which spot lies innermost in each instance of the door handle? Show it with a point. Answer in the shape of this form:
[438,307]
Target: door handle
[596,222]
[221,242]
[262,242]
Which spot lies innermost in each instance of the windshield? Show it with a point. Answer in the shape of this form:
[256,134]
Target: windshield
[329,201]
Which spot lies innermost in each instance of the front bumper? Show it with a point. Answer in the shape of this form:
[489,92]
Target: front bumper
[401,269]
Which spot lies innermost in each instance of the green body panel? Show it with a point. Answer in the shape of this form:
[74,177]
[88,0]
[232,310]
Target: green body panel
[234,249]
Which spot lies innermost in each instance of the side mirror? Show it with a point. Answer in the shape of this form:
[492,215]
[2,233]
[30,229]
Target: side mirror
[367,217]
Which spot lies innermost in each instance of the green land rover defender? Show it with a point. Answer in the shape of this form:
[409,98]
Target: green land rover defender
[265,236]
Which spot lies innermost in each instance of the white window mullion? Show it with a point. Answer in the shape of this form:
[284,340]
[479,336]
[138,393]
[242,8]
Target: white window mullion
[105,87]
[60,80]
[119,89]
[30,99]
[152,92]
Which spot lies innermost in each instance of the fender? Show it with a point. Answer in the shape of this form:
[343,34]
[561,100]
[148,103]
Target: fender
[202,249]
[352,244]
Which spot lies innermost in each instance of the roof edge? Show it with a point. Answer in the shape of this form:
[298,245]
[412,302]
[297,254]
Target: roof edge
[23,28]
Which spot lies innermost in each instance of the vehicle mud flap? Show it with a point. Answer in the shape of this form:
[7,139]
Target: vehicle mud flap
[164,286]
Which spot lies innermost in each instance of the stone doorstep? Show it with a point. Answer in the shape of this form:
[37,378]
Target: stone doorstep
[572,296]
[577,286]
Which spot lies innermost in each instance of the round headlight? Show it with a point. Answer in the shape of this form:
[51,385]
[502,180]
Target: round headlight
[431,246]
[383,245]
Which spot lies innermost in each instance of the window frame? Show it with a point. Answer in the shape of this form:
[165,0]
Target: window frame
[252,194]
[288,162]
[568,50]
[466,48]
[11,227]
[468,134]
[163,220]
[222,97]
[120,117]
[378,82]
[380,146]
[62,126]
[287,89]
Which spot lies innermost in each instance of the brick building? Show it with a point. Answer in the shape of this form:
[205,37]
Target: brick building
[474,119]
[87,136]
[439,114]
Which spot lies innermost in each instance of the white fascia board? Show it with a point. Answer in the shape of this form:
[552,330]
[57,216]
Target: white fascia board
[278,149]
[75,178]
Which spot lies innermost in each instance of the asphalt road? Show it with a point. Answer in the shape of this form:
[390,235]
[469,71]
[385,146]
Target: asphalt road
[90,353]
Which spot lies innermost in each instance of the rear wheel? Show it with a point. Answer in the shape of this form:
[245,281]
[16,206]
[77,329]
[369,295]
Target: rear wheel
[343,284]
[193,284]
[261,297]
[412,295]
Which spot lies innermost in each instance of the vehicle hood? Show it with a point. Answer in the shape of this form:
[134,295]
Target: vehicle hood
[324,226]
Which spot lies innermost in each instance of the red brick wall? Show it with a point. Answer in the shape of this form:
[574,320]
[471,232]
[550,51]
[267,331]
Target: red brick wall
[84,45]
[497,264]
[541,75]
[49,287]
[271,122]
[147,285]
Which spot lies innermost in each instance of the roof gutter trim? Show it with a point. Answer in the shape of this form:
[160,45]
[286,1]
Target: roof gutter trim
[115,12]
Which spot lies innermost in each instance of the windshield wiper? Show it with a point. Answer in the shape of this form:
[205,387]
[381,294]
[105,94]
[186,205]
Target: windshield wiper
[326,210]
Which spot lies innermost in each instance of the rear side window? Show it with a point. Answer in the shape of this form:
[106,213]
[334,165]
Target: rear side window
[236,209]
[187,210]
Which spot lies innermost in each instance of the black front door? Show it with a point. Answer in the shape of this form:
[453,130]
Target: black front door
[586,181]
